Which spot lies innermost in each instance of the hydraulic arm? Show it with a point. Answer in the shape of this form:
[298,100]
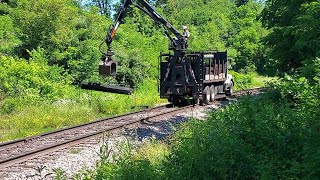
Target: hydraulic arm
[177,43]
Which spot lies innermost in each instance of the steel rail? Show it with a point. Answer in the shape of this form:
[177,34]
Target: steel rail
[24,140]
[42,151]
[58,146]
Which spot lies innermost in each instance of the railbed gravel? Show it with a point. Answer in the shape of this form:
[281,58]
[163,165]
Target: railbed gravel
[84,156]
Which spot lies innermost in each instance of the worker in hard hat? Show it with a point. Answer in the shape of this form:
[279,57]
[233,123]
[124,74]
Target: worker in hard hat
[186,33]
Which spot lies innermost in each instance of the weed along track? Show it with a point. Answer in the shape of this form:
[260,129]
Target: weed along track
[23,149]
[15,153]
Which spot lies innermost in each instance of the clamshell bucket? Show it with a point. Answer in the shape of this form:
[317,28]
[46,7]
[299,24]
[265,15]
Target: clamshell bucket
[108,68]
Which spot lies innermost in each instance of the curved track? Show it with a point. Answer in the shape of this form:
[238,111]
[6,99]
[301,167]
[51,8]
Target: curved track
[23,149]
[18,151]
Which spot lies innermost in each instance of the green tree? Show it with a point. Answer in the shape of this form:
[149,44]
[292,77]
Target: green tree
[8,32]
[245,37]
[241,2]
[33,78]
[161,2]
[308,37]
[223,25]
[294,35]
[105,6]
[69,35]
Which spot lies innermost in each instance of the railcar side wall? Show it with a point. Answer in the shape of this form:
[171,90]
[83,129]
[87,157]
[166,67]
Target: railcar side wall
[188,77]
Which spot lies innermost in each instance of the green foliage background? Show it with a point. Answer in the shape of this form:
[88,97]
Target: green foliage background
[69,34]
[294,37]
[47,47]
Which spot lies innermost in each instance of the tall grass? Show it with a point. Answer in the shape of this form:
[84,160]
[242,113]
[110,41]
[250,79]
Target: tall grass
[249,80]
[22,117]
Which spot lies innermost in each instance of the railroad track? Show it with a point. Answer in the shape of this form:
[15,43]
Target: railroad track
[21,150]
[14,152]
[251,91]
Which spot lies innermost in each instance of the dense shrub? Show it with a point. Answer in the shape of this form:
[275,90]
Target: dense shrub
[271,136]
[25,82]
[275,135]
[8,33]
[124,166]
[255,138]
[293,37]
[20,78]
[248,80]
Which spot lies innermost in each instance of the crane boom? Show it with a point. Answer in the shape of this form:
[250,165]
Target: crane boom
[177,43]
[120,16]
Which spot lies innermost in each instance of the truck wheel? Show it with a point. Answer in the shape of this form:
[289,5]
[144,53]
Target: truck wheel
[201,101]
[216,88]
[206,95]
[196,101]
[230,91]
[212,93]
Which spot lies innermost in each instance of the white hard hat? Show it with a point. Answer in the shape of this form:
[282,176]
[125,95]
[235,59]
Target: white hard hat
[184,27]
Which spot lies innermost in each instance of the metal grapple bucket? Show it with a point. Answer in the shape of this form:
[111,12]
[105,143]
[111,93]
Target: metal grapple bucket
[107,68]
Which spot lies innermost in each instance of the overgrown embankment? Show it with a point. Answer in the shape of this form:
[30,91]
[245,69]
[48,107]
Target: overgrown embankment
[274,135]
[21,117]
[36,98]
[249,80]
[48,46]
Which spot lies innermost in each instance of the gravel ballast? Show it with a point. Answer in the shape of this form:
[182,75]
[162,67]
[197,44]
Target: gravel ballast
[84,156]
